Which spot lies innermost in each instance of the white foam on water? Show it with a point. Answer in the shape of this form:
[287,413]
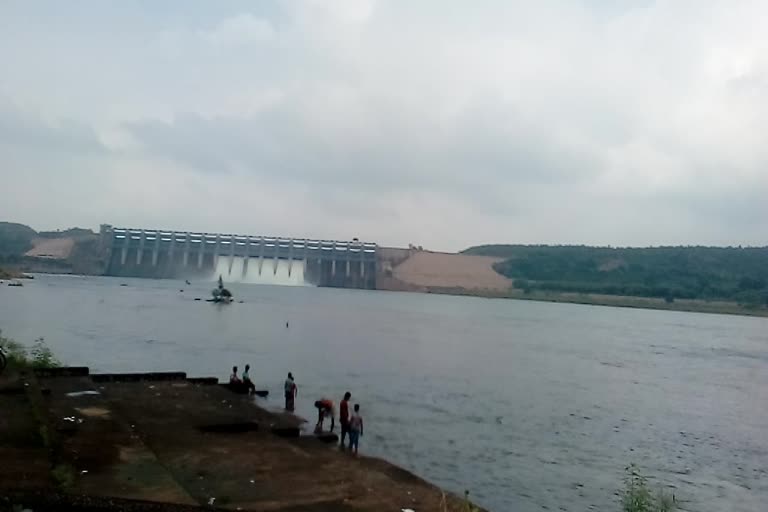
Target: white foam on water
[266,271]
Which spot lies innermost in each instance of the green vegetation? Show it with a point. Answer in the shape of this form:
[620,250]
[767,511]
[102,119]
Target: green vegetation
[468,505]
[64,476]
[15,240]
[45,437]
[8,274]
[68,233]
[38,356]
[41,356]
[638,497]
[707,273]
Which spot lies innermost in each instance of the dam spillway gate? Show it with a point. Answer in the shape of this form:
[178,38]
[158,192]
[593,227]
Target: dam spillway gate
[241,258]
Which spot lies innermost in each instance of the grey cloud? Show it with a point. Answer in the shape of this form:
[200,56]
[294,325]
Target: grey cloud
[494,142]
[629,122]
[727,206]
[19,128]
[476,151]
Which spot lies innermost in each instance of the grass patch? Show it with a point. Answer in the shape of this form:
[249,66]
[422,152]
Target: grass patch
[44,436]
[64,476]
[41,356]
[21,357]
[468,505]
[6,274]
[637,495]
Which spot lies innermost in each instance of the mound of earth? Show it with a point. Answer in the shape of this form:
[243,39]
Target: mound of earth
[435,271]
[54,248]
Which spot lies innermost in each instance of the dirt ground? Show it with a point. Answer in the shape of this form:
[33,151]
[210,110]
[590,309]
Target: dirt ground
[434,271]
[58,248]
[140,443]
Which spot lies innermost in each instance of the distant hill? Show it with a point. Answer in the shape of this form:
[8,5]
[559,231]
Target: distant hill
[15,239]
[75,233]
[709,273]
[74,250]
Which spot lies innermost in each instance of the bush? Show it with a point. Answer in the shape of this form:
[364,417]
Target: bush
[638,497]
[39,356]
[468,505]
[64,476]
[14,351]
[523,284]
[42,356]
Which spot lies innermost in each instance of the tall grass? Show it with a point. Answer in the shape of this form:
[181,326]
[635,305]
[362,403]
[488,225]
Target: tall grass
[468,505]
[39,355]
[637,495]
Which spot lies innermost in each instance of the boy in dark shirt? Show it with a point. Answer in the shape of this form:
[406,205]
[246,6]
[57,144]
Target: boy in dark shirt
[344,418]
[247,382]
[234,380]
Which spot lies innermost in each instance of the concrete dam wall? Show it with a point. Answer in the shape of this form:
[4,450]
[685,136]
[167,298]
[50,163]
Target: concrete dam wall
[239,258]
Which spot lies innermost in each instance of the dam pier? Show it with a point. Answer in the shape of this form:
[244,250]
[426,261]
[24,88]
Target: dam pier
[156,253]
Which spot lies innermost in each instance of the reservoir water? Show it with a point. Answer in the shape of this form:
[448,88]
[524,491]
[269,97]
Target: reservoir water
[531,406]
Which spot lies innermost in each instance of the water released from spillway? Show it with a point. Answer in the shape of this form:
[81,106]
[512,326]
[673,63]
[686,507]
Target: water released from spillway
[260,271]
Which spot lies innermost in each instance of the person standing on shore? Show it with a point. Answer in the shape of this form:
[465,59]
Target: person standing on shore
[247,379]
[355,429]
[234,380]
[291,391]
[344,419]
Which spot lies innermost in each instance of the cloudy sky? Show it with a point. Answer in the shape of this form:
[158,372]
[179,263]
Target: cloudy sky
[437,122]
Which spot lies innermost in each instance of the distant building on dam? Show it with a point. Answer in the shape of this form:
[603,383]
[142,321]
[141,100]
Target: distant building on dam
[238,258]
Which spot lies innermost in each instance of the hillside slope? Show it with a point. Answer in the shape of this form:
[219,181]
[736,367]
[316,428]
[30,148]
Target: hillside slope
[15,239]
[730,273]
[427,271]
[74,250]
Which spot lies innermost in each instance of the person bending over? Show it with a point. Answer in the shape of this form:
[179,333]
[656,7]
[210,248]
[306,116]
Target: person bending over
[324,408]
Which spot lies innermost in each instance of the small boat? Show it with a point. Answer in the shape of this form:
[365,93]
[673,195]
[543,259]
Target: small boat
[15,283]
[220,294]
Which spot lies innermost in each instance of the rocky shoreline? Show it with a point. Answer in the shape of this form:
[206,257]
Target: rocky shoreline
[146,441]
[8,274]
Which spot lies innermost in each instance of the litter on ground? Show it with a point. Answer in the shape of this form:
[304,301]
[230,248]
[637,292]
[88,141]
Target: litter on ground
[75,394]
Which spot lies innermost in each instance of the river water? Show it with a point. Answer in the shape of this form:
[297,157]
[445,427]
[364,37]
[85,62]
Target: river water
[531,406]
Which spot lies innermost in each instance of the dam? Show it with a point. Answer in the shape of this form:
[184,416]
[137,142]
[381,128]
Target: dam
[167,254]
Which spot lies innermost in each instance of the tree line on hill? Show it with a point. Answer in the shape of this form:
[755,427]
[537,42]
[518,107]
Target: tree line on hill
[15,240]
[707,273]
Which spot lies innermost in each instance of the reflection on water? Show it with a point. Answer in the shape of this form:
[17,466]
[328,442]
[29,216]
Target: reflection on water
[528,405]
